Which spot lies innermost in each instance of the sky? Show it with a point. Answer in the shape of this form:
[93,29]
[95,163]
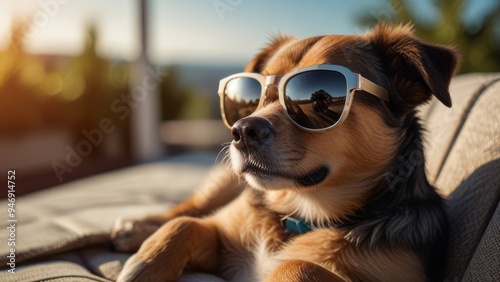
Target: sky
[194,30]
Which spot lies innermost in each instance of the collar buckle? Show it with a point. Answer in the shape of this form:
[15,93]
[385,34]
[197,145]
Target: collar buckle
[295,225]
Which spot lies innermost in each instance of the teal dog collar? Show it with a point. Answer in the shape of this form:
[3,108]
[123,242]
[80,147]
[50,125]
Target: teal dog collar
[295,225]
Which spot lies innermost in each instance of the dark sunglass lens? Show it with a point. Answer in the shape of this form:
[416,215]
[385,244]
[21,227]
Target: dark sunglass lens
[316,99]
[241,98]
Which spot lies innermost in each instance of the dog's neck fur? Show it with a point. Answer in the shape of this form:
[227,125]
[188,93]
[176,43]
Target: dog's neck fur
[391,219]
[388,205]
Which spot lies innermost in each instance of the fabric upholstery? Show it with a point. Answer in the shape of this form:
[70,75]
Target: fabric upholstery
[443,124]
[471,162]
[477,143]
[485,264]
[470,208]
[80,215]
[53,270]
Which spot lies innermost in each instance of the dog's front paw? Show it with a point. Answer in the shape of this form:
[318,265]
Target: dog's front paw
[141,268]
[132,269]
[128,234]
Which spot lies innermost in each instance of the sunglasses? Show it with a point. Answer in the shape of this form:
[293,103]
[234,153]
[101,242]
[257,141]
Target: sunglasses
[316,98]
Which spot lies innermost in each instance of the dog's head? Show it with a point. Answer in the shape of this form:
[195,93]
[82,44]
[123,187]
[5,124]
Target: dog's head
[339,165]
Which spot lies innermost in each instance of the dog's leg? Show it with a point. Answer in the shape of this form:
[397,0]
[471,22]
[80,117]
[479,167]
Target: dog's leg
[182,242]
[220,187]
[302,271]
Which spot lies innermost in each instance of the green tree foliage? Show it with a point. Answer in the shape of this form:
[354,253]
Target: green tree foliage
[478,43]
[28,88]
[91,89]
[180,101]
[76,93]
[174,96]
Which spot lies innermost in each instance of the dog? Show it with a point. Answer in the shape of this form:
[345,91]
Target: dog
[327,176]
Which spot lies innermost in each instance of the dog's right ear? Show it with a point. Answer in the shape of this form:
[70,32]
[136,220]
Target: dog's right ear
[417,70]
[258,63]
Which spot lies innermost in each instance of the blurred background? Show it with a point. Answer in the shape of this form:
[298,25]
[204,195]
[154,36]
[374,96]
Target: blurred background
[88,86]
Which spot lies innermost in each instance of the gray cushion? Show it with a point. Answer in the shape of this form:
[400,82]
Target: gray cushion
[485,263]
[470,209]
[80,215]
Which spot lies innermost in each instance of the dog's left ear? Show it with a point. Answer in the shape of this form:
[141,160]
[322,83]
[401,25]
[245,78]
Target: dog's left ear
[417,70]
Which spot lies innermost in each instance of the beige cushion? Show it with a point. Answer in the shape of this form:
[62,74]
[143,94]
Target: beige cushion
[443,124]
[470,161]
[477,142]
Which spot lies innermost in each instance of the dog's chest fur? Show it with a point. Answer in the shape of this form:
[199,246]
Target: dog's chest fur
[258,244]
[251,265]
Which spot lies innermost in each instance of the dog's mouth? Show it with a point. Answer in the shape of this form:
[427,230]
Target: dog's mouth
[263,174]
[314,177]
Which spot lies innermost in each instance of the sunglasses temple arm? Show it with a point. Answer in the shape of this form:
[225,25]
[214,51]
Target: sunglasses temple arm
[372,88]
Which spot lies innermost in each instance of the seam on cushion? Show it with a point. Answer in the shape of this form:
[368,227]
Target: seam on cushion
[75,276]
[433,105]
[58,248]
[468,109]
[85,262]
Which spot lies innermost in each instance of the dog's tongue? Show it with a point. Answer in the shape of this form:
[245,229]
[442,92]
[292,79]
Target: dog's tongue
[314,177]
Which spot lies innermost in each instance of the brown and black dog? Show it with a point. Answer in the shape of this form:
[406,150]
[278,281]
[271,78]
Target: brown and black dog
[361,187]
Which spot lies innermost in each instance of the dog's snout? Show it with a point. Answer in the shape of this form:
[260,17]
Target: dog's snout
[251,132]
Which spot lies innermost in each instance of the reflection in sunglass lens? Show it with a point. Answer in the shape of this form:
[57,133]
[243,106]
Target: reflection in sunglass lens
[316,99]
[241,98]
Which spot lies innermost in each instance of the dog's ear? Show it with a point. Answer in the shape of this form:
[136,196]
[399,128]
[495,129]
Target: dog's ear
[258,63]
[417,70]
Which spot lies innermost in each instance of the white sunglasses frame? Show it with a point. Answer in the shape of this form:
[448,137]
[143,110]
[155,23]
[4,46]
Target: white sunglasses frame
[355,81]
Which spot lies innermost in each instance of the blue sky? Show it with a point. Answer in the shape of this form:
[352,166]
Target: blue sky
[194,30]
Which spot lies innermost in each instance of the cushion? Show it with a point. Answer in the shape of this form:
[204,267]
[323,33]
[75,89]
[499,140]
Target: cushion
[80,214]
[463,163]
[443,125]
[472,163]
[485,264]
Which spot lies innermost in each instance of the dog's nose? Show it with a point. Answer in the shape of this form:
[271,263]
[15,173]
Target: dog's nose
[251,132]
